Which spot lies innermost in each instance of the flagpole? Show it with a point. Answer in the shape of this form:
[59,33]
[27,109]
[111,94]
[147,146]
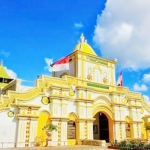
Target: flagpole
[69,70]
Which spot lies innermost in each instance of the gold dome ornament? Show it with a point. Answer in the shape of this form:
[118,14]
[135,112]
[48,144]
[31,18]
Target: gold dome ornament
[71,92]
[10,114]
[45,100]
[105,80]
[89,77]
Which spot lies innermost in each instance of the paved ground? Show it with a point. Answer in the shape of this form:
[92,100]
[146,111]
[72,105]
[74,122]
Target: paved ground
[77,147]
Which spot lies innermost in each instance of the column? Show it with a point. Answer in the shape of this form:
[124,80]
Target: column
[81,129]
[140,129]
[117,131]
[123,128]
[90,129]
[33,131]
[135,130]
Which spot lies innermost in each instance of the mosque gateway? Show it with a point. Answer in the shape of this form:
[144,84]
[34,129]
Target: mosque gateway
[83,101]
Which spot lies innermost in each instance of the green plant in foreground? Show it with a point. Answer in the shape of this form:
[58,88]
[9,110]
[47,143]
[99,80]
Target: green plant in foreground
[50,127]
[128,145]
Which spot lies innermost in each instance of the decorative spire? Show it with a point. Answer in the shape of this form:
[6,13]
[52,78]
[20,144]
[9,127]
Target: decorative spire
[82,39]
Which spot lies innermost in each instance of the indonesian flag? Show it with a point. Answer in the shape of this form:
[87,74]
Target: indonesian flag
[120,80]
[60,65]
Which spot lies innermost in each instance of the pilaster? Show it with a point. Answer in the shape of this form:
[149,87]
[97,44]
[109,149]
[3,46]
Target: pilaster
[139,128]
[63,135]
[55,134]
[135,130]
[117,131]
[90,129]
[21,135]
[123,129]
[33,130]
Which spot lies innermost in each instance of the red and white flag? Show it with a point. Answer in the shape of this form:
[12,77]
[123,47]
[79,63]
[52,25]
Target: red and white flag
[120,80]
[60,65]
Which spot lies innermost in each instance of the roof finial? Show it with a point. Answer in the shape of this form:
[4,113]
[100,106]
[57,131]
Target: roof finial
[82,39]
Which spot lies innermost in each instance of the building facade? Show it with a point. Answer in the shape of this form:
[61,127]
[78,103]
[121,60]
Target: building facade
[84,102]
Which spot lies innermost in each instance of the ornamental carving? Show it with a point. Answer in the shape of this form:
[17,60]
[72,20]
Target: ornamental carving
[71,92]
[89,77]
[10,114]
[105,80]
[45,100]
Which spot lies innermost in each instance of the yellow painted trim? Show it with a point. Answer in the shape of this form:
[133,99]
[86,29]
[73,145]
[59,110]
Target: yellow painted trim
[76,116]
[27,96]
[75,66]
[86,119]
[29,105]
[48,113]
[103,98]
[82,68]
[103,108]
[4,108]
[71,142]
[27,115]
[95,57]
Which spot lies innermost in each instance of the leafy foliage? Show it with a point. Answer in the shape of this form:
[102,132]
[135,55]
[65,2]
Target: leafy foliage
[50,127]
[130,145]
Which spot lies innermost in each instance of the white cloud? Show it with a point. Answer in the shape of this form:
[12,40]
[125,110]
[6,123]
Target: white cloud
[48,61]
[146,77]
[137,87]
[4,53]
[78,25]
[11,73]
[122,32]
[146,98]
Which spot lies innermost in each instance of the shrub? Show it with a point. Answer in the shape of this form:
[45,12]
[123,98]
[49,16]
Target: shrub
[50,127]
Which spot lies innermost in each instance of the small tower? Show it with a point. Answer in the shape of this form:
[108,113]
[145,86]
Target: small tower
[5,79]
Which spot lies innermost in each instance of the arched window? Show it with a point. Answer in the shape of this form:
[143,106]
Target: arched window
[97,74]
[128,132]
[128,127]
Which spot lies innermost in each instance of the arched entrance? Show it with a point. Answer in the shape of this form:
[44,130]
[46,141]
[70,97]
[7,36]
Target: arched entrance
[101,127]
[103,114]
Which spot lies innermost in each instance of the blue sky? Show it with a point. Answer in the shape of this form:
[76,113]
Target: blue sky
[32,32]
